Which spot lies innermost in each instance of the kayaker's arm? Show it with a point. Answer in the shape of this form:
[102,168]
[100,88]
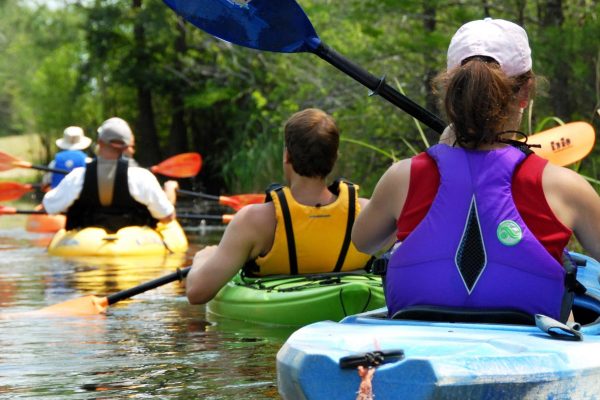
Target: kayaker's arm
[60,198]
[145,189]
[377,221]
[576,204]
[249,234]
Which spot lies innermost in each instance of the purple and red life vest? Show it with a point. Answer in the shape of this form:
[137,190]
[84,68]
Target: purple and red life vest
[473,250]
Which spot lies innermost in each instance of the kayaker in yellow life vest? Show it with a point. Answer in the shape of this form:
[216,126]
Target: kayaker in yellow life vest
[309,218]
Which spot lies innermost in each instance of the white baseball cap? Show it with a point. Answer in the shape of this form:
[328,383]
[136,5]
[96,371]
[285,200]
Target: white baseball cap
[115,129]
[504,41]
[73,139]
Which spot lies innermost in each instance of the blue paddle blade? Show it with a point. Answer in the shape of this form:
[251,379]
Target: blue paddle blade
[272,25]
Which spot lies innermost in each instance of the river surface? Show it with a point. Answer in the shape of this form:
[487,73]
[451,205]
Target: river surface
[155,345]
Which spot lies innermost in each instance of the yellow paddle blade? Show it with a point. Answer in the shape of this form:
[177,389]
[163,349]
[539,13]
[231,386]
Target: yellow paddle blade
[88,305]
[565,144]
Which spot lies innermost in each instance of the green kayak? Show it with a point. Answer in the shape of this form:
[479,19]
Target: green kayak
[298,300]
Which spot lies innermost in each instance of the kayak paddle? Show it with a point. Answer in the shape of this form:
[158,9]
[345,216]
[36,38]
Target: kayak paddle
[91,305]
[225,218]
[8,162]
[4,210]
[282,26]
[565,144]
[185,165]
[236,202]
[14,190]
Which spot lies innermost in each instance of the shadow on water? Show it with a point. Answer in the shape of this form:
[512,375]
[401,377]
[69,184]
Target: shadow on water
[155,345]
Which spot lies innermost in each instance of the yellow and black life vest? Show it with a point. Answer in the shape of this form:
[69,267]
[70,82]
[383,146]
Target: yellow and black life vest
[312,239]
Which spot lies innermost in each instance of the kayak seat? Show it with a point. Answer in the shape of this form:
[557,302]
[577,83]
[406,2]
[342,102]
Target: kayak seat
[454,314]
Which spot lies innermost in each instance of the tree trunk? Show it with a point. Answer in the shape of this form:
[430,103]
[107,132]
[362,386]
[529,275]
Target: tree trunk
[429,25]
[178,141]
[552,18]
[205,126]
[145,126]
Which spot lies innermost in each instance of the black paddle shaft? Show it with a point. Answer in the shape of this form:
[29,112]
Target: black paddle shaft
[378,86]
[48,169]
[198,194]
[127,293]
[34,212]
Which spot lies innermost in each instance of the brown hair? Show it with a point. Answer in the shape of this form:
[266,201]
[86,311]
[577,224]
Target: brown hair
[479,99]
[312,139]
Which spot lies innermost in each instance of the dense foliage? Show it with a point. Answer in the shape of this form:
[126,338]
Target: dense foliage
[83,61]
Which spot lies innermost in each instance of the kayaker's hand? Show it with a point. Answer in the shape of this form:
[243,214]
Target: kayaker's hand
[171,185]
[170,188]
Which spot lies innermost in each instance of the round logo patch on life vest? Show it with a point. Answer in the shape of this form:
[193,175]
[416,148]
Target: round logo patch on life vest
[509,233]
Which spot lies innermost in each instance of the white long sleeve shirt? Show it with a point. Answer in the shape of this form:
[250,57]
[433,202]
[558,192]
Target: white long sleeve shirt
[143,187]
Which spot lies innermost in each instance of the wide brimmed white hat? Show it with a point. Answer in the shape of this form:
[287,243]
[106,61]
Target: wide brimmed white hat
[73,139]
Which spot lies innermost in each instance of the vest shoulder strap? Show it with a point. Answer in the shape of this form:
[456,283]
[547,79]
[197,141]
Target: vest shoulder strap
[89,193]
[270,188]
[121,195]
[289,230]
[349,223]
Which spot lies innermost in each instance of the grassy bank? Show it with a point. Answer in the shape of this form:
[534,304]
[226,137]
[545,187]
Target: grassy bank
[28,148]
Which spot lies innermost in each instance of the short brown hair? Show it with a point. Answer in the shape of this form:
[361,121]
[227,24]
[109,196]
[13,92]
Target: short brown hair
[312,139]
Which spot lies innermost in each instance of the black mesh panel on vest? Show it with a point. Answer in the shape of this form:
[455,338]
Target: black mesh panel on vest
[471,257]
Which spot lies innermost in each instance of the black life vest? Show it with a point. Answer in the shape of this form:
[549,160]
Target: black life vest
[123,211]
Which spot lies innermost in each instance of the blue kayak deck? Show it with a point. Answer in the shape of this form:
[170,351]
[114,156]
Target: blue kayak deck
[446,360]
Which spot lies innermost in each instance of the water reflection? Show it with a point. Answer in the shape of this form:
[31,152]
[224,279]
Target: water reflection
[155,344]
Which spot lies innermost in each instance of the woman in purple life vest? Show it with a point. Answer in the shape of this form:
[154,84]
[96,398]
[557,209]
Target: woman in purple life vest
[477,245]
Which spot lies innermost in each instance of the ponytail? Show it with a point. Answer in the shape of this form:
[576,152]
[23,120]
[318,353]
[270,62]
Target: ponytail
[479,100]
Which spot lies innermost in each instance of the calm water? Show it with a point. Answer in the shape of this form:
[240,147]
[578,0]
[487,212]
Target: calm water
[153,346]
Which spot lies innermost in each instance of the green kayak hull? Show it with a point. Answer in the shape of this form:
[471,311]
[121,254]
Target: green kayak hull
[298,300]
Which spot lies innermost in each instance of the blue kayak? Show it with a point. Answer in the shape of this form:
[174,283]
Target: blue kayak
[418,359]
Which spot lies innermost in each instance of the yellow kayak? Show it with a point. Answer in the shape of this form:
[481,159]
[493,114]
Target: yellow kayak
[129,241]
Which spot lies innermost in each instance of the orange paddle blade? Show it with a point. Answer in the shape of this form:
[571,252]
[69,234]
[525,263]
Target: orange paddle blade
[13,190]
[186,165]
[88,305]
[238,201]
[44,223]
[227,218]
[249,198]
[230,202]
[4,210]
[9,162]
[565,144]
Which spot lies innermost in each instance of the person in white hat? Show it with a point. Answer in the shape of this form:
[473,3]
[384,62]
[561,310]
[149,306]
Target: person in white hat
[480,221]
[71,155]
[108,192]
